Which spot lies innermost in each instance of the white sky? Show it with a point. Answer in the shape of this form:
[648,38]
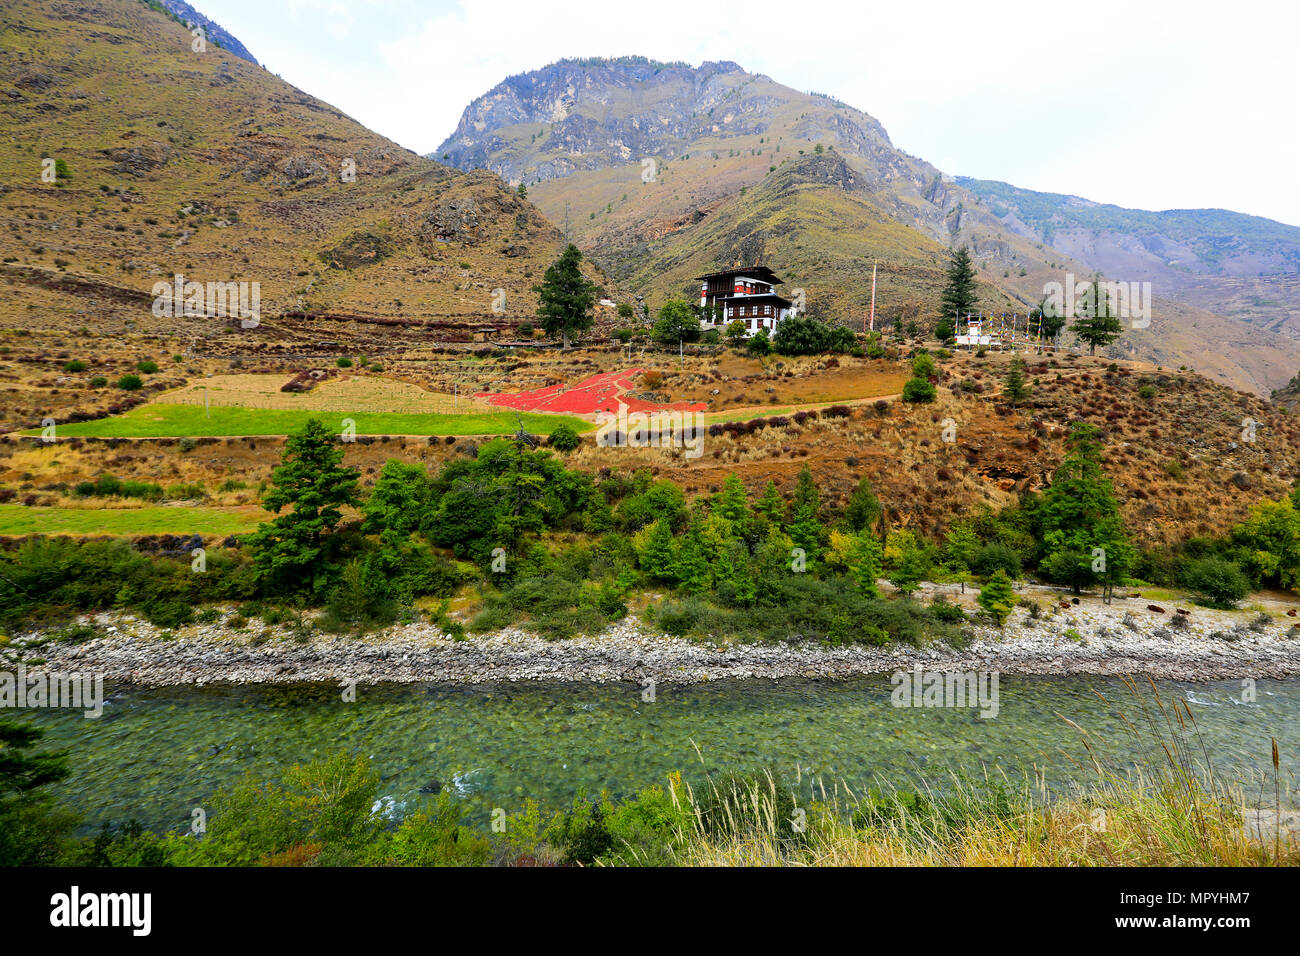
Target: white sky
[1141,103]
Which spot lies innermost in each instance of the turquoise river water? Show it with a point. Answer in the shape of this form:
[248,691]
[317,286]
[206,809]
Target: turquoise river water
[157,753]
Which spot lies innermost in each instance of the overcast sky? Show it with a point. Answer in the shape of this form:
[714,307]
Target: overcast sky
[1155,105]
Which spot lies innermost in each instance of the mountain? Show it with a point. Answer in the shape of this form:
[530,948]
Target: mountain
[663,171]
[1242,266]
[213,31]
[171,161]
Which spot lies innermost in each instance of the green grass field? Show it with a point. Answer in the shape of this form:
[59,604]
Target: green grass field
[18,519]
[178,421]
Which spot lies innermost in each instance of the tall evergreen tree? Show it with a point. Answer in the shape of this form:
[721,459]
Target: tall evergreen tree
[863,508]
[959,295]
[771,506]
[565,297]
[660,551]
[1082,532]
[289,552]
[1097,323]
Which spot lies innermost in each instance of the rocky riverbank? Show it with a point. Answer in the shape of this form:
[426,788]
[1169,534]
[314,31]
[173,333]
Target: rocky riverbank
[1126,638]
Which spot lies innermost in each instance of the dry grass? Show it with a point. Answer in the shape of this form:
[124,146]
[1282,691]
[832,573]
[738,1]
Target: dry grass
[1171,810]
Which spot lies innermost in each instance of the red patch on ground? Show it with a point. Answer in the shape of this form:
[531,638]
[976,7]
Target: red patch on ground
[600,393]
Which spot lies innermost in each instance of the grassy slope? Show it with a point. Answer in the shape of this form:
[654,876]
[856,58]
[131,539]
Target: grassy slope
[20,520]
[158,421]
[185,162]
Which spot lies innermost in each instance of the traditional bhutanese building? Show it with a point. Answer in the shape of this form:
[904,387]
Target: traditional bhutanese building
[747,295]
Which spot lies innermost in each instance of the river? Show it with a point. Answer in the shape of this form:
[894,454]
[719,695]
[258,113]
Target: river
[157,753]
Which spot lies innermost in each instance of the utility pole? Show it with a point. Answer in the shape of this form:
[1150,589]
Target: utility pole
[873,297]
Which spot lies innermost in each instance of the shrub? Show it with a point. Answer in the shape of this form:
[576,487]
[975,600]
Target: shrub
[76,365]
[147,366]
[130,383]
[918,390]
[98,381]
[997,597]
[993,557]
[344,362]
[1216,582]
[564,437]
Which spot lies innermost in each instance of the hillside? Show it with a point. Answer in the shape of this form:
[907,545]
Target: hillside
[202,163]
[727,149]
[1244,267]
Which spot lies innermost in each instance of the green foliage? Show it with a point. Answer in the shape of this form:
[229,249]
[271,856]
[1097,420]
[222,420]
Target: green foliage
[56,577]
[1216,582]
[804,335]
[147,366]
[1097,324]
[998,597]
[677,323]
[130,383]
[959,294]
[1079,514]
[1014,387]
[759,343]
[564,438]
[735,332]
[863,509]
[918,390]
[1267,544]
[32,826]
[566,297]
[295,552]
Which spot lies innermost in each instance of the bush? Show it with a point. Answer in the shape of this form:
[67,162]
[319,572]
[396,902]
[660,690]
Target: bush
[76,365]
[130,383]
[147,366]
[994,557]
[918,390]
[997,597]
[1216,582]
[98,381]
[564,437]
[344,362]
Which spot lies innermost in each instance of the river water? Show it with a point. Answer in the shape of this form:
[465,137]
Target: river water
[156,754]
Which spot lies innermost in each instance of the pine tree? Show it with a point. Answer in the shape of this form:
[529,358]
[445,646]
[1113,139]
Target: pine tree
[865,557]
[1097,324]
[289,551]
[863,508]
[806,530]
[1014,387]
[566,297]
[691,568]
[959,295]
[731,502]
[1079,514]
[771,506]
[998,597]
[657,557]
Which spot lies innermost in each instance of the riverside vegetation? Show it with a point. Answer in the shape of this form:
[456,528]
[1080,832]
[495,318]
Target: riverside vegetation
[515,537]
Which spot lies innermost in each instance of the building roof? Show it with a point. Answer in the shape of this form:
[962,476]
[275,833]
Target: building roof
[762,273]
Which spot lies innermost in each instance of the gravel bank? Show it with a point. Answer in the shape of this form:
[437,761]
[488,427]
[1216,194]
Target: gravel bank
[1123,639]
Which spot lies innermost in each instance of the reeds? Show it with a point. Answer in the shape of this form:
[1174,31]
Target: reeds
[1167,808]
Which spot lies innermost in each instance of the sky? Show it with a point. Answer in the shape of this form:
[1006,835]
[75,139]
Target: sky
[1140,103]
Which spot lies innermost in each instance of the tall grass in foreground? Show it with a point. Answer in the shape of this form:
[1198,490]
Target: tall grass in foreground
[1169,809]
